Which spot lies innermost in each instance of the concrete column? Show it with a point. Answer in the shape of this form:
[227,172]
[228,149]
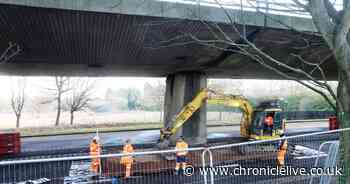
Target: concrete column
[181,89]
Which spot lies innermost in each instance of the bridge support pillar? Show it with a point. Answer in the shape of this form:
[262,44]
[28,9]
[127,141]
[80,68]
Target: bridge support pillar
[180,89]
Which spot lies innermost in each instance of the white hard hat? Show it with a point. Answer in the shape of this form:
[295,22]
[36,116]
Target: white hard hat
[96,138]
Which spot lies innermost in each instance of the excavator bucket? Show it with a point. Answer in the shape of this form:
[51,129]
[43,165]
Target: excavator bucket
[164,145]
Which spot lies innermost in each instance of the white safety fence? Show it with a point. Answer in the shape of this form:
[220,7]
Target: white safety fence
[310,158]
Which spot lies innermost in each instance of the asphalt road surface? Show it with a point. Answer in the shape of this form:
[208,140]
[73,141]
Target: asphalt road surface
[62,142]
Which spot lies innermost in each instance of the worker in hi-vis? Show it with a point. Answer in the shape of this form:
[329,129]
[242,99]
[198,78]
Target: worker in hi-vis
[95,150]
[269,124]
[282,151]
[181,153]
[127,160]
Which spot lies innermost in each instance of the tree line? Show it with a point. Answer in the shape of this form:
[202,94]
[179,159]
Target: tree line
[76,94]
[68,94]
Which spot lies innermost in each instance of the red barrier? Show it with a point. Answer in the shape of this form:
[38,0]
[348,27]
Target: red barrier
[333,124]
[10,143]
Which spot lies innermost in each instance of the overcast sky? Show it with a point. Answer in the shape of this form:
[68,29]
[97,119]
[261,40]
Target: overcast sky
[35,85]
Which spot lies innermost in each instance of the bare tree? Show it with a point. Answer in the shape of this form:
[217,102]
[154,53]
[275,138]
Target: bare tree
[18,98]
[332,25]
[11,51]
[153,97]
[39,104]
[226,86]
[79,97]
[235,38]
[61,87]
[223,86]
[158,97]
[132,97]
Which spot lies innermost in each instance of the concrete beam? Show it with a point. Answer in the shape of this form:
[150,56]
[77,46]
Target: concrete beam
[194,10]
[180,89]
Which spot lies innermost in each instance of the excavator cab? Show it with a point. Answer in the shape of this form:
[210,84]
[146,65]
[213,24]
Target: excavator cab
[261,127]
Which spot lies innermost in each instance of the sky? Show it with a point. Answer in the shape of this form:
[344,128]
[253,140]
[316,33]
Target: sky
[35,86]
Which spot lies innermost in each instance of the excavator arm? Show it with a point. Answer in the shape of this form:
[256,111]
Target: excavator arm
[238,102]
[212,98]
[185,113]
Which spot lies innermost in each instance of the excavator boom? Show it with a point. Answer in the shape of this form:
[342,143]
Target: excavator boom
[185,113]
[212,98]
[238,102]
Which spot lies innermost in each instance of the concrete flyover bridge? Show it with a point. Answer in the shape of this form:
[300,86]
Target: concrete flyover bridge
[137,38]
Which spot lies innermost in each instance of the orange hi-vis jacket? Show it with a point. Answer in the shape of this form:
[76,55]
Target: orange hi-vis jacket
[128,148]
[95,150]
[181,146]
[282,152]
[269,121]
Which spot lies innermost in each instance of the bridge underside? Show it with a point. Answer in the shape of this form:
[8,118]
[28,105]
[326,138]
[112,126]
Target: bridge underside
[81,43]
[86,43]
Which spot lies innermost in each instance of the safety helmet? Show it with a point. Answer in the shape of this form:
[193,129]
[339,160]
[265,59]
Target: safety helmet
[96,138]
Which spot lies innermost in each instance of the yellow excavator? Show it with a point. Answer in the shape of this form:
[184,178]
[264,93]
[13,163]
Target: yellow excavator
[253,125]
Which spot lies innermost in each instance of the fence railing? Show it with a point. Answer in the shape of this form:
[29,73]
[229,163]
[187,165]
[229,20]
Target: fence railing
[279,7]
[229,116]
[244,162]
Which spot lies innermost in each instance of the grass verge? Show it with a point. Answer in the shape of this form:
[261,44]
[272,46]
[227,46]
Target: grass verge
[102,128]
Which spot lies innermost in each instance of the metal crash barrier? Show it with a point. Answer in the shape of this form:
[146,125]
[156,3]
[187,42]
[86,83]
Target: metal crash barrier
[330,160]
[306,161]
